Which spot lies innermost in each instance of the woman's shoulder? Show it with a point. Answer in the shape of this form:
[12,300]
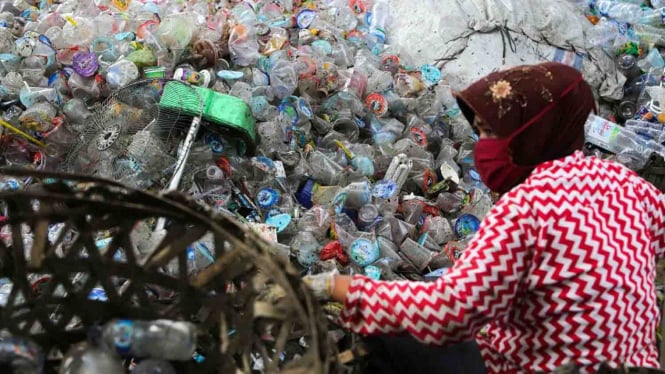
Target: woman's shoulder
[580,172]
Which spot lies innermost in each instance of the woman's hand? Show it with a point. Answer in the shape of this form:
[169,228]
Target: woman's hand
[328,286]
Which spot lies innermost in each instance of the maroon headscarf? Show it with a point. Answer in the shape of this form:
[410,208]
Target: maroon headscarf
[549,102]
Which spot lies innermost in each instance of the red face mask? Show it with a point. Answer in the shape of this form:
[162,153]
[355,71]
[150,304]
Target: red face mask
[495,165]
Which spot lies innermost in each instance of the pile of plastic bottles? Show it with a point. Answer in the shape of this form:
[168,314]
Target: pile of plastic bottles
[364,161]
[152,345]
[634,32]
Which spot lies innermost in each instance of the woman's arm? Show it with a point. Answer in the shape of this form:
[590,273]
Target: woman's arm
[482,285]
[341,287]
[654,204]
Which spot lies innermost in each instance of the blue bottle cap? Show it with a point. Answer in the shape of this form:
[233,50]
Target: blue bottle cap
[364,252]
[305,18]
[384,189]
[279,221]
[267,198]
[373,272]
[466,224]
[430,74]
[304,194]
[216,146]
[123,331]
[198,358]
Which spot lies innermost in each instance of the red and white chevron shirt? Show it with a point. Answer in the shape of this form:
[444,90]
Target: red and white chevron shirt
[561,270]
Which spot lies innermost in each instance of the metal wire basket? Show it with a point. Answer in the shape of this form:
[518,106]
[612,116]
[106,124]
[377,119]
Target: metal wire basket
[249,303]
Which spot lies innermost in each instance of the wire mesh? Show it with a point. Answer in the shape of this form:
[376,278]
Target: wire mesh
[131,138]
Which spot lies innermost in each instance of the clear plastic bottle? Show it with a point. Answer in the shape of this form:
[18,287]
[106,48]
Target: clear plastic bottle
[376,37]
[648,34]
[243,45]
[653,17]
[652,60]
[620,11]
[283,79]
[632,150]
[164,339]
[380,17]
[603,34]
[85,358]
[121,73]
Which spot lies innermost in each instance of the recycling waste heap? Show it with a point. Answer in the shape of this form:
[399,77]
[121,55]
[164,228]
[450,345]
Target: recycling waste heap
[296,120]
[633,132]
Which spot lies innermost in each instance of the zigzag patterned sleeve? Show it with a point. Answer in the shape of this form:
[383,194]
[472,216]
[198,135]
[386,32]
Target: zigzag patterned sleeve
[654,202]
[481,286]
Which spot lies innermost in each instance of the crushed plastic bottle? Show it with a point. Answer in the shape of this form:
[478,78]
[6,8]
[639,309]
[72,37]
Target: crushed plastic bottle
[86,358]
[362,159]
[631,148]
[168,340]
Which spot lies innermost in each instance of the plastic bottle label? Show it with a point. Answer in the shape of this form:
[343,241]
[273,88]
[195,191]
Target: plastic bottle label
[603,131]
[384,189]
[466,225]
[267,198]
[339,201]
[305,18]
[279,169]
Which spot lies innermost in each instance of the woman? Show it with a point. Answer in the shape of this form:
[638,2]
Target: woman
[562,269]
